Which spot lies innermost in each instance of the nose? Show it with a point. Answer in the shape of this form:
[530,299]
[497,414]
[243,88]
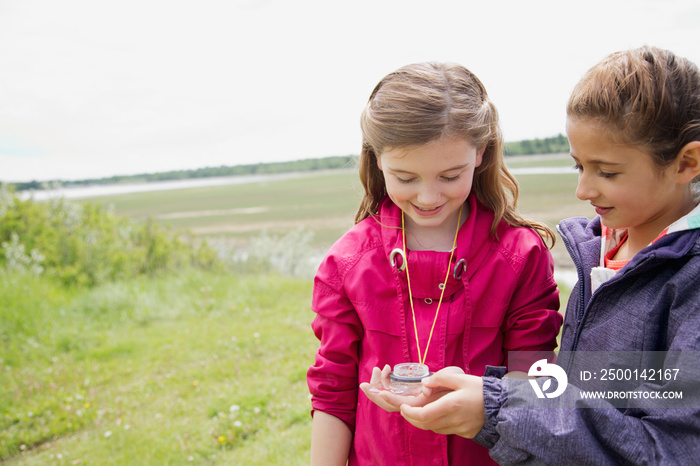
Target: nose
[429,195]
[586,189]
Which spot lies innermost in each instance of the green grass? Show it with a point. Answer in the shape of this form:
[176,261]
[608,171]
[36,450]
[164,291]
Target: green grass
[197,367]
[323,202]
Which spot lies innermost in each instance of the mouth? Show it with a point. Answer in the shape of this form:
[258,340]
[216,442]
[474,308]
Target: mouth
[601,210]
[427,212]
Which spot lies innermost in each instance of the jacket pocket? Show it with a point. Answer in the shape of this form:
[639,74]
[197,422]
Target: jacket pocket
[379,317]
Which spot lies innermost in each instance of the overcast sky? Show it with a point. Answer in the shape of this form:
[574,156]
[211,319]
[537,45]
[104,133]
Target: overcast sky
[95,88]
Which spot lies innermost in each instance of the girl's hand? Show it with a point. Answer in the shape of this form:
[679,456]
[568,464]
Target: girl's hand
[459,411]
[377,390]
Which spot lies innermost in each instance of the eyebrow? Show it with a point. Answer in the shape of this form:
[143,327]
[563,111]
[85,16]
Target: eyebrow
[598,162]
[456,167]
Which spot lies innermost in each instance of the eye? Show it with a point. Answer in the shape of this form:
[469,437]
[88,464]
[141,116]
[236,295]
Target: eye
[450,178]
[578,168]
[607,175]
[405,181]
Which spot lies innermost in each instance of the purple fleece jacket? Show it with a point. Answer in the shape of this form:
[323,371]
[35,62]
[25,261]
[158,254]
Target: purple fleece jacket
[651,306]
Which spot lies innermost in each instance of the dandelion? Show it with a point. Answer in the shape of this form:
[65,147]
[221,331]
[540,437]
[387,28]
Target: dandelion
[108,434]
[234,408]
[23,447]
[86,405]
[190,458]
[237,424]
[256,410]
[256,335]
[127,427]
[195,383]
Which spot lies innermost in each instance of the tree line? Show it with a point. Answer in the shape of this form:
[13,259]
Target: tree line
[552,145]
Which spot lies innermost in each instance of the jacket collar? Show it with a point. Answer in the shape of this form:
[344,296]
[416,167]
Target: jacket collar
[584,238]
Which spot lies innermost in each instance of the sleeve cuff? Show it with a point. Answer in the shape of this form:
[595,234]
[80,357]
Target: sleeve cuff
[494,398]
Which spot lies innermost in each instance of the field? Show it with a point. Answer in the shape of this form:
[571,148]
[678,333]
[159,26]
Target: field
[323,203]
[194,367]
[198,368]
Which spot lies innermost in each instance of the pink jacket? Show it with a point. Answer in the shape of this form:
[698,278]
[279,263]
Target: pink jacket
[500,297]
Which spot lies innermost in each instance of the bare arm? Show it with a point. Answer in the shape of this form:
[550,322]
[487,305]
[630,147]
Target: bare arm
[330,440]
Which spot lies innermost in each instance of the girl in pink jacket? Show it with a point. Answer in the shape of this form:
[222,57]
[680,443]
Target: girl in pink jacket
[440,269]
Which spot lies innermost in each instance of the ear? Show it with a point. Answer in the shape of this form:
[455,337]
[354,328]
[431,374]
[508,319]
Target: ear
[480,155]
[688,162]
[379,161]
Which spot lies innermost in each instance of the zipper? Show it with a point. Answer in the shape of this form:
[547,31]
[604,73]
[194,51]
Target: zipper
[579,272]
[582,296]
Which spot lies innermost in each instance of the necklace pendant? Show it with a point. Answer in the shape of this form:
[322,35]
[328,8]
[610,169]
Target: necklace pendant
[406,378]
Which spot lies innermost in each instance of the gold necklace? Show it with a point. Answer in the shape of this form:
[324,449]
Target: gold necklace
[421,360]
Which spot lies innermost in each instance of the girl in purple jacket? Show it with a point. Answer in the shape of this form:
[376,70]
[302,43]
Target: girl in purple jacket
[632,327]
[440,269]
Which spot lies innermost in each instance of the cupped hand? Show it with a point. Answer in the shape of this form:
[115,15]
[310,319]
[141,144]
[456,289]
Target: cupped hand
[377,390]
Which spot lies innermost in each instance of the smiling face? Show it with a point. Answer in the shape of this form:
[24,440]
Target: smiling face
[430,182]
[623,184]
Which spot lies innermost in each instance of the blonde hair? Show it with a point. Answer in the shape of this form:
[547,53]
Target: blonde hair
[425,102]
[647,97]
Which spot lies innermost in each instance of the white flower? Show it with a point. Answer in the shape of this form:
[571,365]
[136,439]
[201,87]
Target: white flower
[234,408]
[108,434]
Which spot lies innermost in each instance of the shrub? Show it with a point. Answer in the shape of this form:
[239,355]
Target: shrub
[86,244]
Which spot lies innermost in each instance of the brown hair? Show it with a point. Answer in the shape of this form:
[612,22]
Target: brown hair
[425,102]
[646,97]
